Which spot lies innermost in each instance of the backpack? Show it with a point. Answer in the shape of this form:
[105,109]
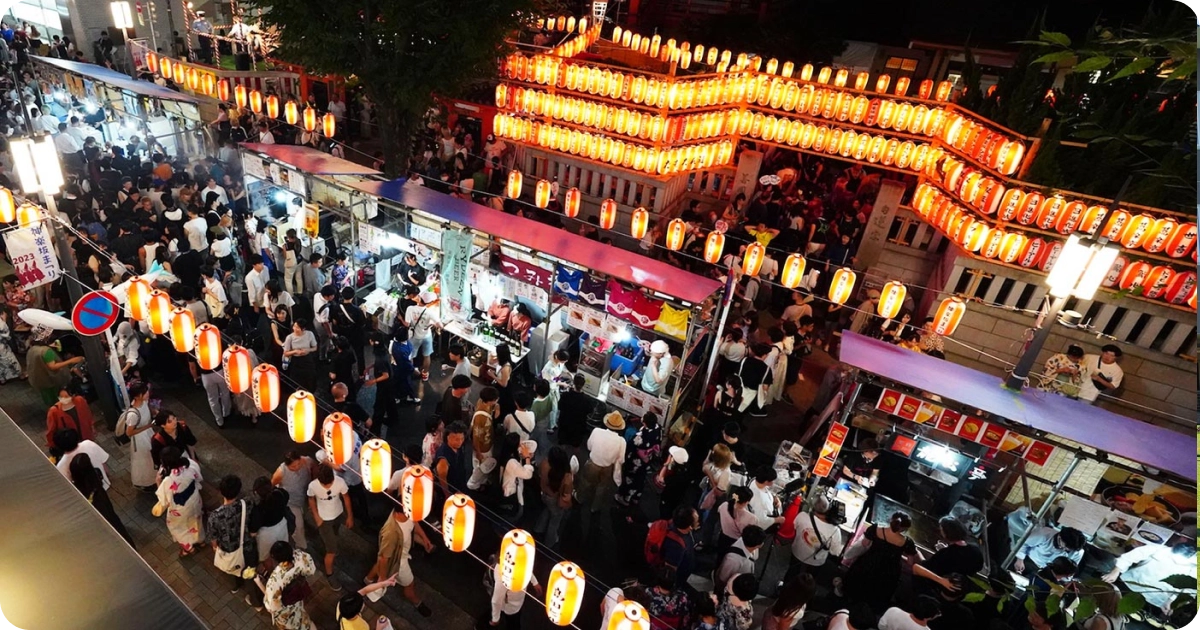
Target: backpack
[123,424]
[655,539]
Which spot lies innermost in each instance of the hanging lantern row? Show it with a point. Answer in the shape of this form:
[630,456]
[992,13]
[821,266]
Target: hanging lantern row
[835,141]
[561,23]
[579,43]
[616,152]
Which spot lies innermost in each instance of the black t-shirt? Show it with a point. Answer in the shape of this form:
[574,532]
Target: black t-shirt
[357,414]
[964,559]
[860,466]
[383,365]
[753,372]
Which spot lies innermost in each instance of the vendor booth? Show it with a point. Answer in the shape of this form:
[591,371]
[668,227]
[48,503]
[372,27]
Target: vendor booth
[119,106]
[953,442]
[503,279]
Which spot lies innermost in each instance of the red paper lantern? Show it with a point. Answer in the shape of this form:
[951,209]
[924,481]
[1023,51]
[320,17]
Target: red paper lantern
[1118,221]
[1160,235]
[160,312]
[1033,252]
[152,62]
[1070,217]
[608,214]
[310,119]
[208,347]
[753,259]
[223,90]
[639,222]
[256,101]
[1157,281]
[337,437]
[513,190]
[571,202]
[273,106]
[713,246]
[1182,240]
[416,492]
[925,88]
[1030,206]
[183,330]
[238,368]
[676,231]
[1181,287]
[1114,272]
[949,314]
[990,194]
[1134,275]
[541,194]
[1138,231]
[1092,218]
[329,125]
[139,296]
[1010,204]
[1053,250]
[164,67]
[265,388]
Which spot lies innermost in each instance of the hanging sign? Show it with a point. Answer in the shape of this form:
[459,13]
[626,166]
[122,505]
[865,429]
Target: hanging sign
[94,313]
[32,257]
[456,260]
[829,452]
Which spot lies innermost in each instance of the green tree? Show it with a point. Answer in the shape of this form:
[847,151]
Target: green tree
[402,52]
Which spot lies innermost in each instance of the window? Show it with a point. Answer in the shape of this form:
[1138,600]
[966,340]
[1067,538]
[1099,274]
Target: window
[903,64]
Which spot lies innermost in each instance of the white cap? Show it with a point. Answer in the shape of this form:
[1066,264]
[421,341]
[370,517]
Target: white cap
[679,455]
[530,446]
[659,347]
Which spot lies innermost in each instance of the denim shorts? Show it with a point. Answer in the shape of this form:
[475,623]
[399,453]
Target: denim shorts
[422,347]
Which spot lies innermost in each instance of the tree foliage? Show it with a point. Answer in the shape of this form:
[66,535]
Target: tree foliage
[402,51]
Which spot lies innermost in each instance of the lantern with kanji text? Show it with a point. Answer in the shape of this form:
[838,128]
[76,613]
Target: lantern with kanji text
[301,416]
[752,260]
[571,202]
[337,437]
[237,368]
[517,554]
[564,593]
[949,314]
[264,387]
[416,492]
[676,230]
[608,214]
[375,462]
[458,522]
[842,285]
[183,330]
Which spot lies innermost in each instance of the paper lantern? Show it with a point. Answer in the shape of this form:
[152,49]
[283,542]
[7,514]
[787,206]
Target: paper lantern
[329,125]
[517,553]
[949,314]
[264,387]
[513,190]
[639,222]
[458,522]
[1070,217]
[138,298]
[193,79]
[571,202]
[629,615]
[256,101]
[1049,212]
[842,285]
[1138,231]
[676,230]
[793,271]
[301,416]
[713,247]
[1181,242]
[1160,234]
[1092,217]
[183,330]
[891,299]
[210,85]
[944,89]
[310,119]
[164,67]
[291,112]
[1180,288]
[1117,222]
[416,492]
[223,90]
[608,214]
[180,72]
[860,80]
[208,347]
[273,106]
[28,215]
[989,196]
[239,96]
[925,88]
[1031,204]
[1157,281]
[975,236]
[1114,272]
[1134,275]
[564,593]
[824,74]
[1053,250]
[753,259]
[902,86]
[8,206]
[1010,203]
[337,438]
[1032,254]
[152,62]
[1008,158]
[541,193]
[882,83]
[788,68]
[159,309]
[237,368]
[375,462]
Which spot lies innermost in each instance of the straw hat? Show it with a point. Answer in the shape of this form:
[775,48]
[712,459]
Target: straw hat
[679,455]
[615,421]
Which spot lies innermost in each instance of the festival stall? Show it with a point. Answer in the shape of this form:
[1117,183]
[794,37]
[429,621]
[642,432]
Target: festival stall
[615,305]
[295,187]
[954,442]
[121,106]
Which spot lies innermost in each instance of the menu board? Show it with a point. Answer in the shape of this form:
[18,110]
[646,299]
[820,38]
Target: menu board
[1086,516]
[634,400]
[588,320]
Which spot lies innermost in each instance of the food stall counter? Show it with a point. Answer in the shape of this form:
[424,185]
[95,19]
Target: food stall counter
[924,532]
[461,330]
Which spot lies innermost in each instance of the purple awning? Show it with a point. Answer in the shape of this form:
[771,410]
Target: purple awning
[605,259]
[1074,420]
[309,160]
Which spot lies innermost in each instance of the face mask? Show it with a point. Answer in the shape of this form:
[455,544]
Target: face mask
[67,403]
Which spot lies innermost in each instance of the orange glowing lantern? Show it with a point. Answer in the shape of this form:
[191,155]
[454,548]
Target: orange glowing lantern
[8,206]
[1050,211]
[517,554]
[152,62]
[676,230]
[1091,219]
[223,90]
[264,385]
[1160,234]
[639,222]
[564,593]
[1180,288]
[1012,246]
[375,462]
[28,214]
[842,285]
[541,195]
[882,83]
[310,119]
[273,106]
[513,190]
[944,89]
[458,522]
[949,314]
[183,330]
[1033,253]
[902,86]
[713,246]
[891,299]
[974,236]
[329,125]
[793,271]
[337,438]
[1157,282]
[180,72]
[608,213]
[193,79]
[1134,275]
[159,305]
[209,83]
[991,247]
[416,492]
[1070,217]
[237,367]
[301,416]
[1008,158]
[1182,240]
[164,67]
[571,202]
[1115,227]
[291,112]
[239,96]
[1138,231]
[629,615]
[753,259]
[1031,203]
[208,347]
[138,298]
[256,101]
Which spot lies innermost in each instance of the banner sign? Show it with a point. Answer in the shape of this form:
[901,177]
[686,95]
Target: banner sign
[456,261]
[32,256]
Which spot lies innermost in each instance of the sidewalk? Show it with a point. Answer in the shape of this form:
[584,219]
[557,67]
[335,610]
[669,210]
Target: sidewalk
[203,587]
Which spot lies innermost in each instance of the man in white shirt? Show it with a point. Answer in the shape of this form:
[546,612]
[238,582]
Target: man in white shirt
[212,187]
[65,142]
[79,131]
[764,504]
[1100,373]
[508,603]
[329,503]
[264,134]
[658,368]
[923,610]
[256,283]
[816,538]
[196,230]
[799,308]
[1144,568]
[337,108]
[69,443]
[739,558]
[46,122]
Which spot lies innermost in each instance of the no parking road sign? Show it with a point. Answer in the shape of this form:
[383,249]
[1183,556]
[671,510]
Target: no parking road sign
[94,313]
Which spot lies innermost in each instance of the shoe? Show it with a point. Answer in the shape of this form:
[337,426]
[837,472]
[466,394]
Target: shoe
[424,610]
[234,591]
[414,400]
[333,583]
[251,603]
[757,414]
[221,422]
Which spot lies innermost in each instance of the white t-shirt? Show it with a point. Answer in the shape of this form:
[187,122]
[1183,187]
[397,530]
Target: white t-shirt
[195,230]
[93,450]
[329,500]
[807,546]
[520,422]
[794,312]
[1090,365]
[420,319]
[897,619]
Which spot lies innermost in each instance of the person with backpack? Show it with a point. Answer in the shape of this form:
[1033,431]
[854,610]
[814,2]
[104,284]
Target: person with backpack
[672,543]
[349,322]
[740,557]
[70,412]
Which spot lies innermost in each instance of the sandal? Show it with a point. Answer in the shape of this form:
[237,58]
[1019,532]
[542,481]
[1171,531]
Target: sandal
[183,553]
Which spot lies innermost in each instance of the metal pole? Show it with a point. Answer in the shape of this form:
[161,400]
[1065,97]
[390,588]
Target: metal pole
[718,331]
[93,350]
[1020,374]
[1041,513]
